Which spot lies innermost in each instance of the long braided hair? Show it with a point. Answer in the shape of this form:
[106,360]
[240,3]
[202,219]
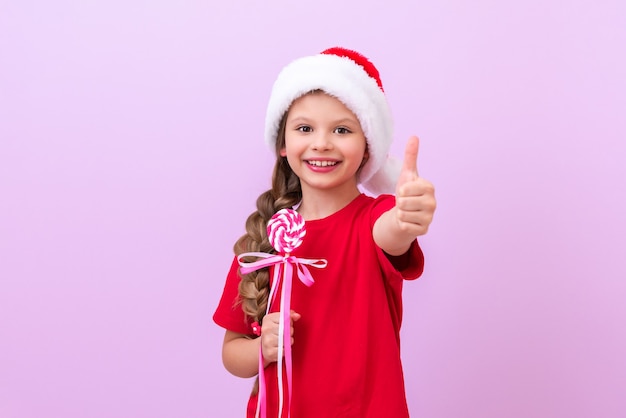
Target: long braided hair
[285,193]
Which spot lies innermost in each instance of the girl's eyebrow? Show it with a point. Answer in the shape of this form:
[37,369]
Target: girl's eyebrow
[300,119]
[345,121]
[304,119]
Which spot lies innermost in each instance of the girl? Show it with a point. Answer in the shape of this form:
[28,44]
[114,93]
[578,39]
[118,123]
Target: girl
[330,125]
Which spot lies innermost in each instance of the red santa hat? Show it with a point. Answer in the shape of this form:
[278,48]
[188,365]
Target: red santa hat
[355,81]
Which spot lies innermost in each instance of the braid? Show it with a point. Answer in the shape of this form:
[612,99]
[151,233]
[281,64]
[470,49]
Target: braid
[285,193]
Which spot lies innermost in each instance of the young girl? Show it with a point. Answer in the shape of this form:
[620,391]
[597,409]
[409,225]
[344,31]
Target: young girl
[329,123]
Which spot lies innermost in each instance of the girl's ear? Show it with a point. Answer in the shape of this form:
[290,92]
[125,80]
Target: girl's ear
[283,152]
[366,156]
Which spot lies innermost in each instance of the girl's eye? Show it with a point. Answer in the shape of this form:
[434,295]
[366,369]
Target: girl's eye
[304,128]
[342,131]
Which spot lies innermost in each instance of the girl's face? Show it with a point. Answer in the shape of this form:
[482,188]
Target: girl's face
[324,143]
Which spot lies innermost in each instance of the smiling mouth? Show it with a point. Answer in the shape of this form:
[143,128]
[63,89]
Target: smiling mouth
[322,163]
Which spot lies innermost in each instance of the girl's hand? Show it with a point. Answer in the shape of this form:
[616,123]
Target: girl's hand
[415,196]
[269,335]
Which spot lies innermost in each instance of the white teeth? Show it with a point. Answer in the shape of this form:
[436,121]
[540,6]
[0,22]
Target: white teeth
[322,163]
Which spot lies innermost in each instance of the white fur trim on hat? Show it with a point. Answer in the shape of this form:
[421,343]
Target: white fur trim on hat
[343,78]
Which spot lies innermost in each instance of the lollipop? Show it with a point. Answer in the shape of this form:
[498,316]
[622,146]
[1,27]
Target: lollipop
[286,230]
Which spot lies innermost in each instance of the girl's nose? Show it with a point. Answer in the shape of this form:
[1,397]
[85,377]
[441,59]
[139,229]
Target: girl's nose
[321,141]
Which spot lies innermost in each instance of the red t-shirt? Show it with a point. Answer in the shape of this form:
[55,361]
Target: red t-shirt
[346,354]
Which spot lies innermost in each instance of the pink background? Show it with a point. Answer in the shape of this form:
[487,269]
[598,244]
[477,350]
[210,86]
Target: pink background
[131,152]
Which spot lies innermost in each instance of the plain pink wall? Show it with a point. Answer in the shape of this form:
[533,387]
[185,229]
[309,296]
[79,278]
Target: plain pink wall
[131,152]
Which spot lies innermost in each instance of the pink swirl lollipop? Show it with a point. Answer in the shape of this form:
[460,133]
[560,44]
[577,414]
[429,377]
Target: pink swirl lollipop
[286,230]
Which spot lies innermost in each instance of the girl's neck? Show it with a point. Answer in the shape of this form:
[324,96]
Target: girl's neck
[318,204]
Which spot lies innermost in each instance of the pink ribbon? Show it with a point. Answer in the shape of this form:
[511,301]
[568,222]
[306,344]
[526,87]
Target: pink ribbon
[284,338]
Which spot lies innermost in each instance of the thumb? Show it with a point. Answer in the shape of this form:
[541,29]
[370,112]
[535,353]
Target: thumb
[410,155]
[409,166]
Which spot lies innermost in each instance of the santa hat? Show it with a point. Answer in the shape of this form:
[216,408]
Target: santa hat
[354,80]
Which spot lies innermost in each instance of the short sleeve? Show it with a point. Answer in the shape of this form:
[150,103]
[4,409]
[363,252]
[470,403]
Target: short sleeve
[409,265]
[229,314]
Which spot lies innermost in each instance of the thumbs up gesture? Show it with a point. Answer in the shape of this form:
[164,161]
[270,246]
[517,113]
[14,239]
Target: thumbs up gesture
[415,196]
[396,229]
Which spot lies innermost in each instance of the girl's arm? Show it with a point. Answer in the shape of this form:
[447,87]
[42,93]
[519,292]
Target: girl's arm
[397,228]
[240,352]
